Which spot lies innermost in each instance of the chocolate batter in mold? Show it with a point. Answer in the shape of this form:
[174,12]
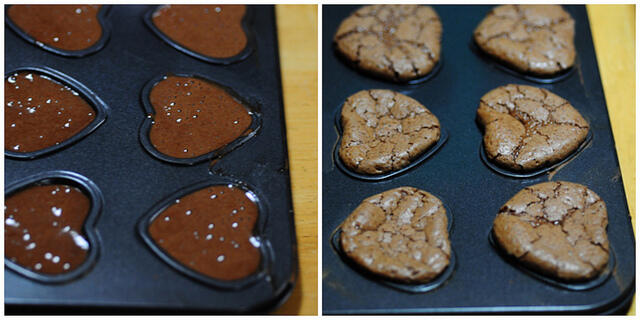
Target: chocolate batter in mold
[529,130]
[49,226]
[191,119]
[67,30]
[46,110]
[557,230]
[533,41]
[211,231]
[377,238]
[390,133]
[213,33]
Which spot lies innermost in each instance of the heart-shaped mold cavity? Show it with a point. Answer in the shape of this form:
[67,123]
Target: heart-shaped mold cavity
[533,39]
[384,133]
[528,128]
[191,119]
[211,231]
[67,30]
[49,226]
[213,33]
[46,110]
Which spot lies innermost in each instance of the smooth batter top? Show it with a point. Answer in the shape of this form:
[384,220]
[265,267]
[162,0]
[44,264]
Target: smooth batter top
[194,117]
[536,39]
[400,234]
[527,128]
[211,232]
[211,30]
[40,112]
[43,228]
[557,228]
[398,42]
[384,131]
[66,27]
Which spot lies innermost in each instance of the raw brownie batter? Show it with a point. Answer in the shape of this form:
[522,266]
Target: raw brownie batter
[211,232]
[66,27]
[384,131]
[211,30]
[40,112]
[556,228]
[400,234]
[526,128]
[397,42]
[43,228]
[535,39]
[194,117]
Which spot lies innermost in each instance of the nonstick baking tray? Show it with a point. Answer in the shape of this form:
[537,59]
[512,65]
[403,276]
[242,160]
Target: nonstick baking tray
[127,276]
[482,280]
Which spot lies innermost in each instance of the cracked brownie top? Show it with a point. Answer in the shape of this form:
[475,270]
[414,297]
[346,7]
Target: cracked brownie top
[400,234]
[384,131]
[528,128]
[536,39]
[397,42]
[556,228]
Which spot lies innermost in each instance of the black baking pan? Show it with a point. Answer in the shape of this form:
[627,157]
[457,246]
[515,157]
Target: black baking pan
[483,281]
[128,276]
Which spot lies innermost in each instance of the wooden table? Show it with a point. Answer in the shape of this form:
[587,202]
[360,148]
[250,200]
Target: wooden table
[613,30]
[614,37]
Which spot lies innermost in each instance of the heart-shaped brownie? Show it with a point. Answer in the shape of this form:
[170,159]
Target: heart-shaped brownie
[214,31]
[41,113]
[211,231]
[556,228]
[383,130]
[400,234]
[397,42]
[526,128]
[64,27]
[536,39]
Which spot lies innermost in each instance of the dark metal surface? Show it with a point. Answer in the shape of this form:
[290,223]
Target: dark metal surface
[127,276]
[483,281]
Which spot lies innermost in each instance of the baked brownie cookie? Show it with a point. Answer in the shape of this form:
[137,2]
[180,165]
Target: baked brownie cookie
[400,234]
[384,130]
[397,42]
[535,39]
[556,228]
[526,128]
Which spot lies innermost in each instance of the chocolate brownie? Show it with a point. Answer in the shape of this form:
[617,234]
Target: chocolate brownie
[397,42]
[384,130]
[556,228]
[526,128]
[536,39]
[400,234]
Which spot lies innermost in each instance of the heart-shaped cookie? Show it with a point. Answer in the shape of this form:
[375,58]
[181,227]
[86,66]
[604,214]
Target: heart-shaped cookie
[211,231]
[536,39]
[383,130]
[556,228]
[400,234]
[397,42]
[526,128]
[42,114]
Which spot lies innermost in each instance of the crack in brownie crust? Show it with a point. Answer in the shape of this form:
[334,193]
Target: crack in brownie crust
[400,234]
[535,39]
[528,128]
[556,228]
[384,131]
[397,42]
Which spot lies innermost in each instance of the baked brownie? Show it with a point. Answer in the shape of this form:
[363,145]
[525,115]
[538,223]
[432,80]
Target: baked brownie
[384,130]
[556,228]
[397,42]
[400,234]
[536,39]
[526,128]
